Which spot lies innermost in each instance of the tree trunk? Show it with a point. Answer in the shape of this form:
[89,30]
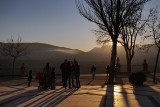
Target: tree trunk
[112,62]
[128,58]
[128,65]
[13,63]
[155,68]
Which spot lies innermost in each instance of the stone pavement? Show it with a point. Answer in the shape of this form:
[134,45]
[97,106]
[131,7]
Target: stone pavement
[91,94]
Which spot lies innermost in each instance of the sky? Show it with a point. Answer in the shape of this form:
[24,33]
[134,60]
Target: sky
[55,22]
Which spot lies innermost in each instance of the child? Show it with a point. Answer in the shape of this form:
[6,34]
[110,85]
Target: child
[40,78]
[29,78]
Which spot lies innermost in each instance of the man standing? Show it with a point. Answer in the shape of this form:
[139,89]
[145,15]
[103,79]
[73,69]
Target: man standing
[93,70]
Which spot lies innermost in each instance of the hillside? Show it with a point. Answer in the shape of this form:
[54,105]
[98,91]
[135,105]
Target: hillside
[40,53]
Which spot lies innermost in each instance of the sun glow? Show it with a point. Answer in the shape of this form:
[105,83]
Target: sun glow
[118,44]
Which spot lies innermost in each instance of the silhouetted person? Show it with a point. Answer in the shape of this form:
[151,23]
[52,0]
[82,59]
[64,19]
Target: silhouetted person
[77,74]
[63,71]
[47,75]
[23,70]
[72,73]
[53,78]
[107,70]
[41,79]
[69,71]
[29,78]
[145,66]
[117,66]
[93,71]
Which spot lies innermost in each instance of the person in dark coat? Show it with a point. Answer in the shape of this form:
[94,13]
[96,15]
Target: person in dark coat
[63,71]
[93,71]
[29,78]
[65,74]
[53,78]
[77,74]
[69,71]
[47,75]
[107,70]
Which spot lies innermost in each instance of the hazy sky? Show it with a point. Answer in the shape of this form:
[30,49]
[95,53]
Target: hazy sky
[55,22]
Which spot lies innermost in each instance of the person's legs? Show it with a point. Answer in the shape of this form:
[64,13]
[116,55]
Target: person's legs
[29,83]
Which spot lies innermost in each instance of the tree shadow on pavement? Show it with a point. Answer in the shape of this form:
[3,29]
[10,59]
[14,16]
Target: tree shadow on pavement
[37,98]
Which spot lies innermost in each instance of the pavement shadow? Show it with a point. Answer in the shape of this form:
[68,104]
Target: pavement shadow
[143,93]
[108,99]
[89,82]
[38,98]
[10,92]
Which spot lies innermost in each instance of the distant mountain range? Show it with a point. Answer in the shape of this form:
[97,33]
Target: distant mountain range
[40,53]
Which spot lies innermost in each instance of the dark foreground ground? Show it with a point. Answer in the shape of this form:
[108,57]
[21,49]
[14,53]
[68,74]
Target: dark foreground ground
[93,93]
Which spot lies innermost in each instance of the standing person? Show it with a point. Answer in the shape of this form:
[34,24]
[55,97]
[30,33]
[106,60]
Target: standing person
[29,78]
[93,70]
[117,67]
[69,68]
[63,70]
[77,74]
[107,70]
[145,66]
[47,75]
[53,78]
[72,73]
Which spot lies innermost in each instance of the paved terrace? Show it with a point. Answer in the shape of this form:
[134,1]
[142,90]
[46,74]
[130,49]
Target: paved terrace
[91,94]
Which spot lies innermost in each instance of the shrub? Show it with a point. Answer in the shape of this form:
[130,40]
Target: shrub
[137,78]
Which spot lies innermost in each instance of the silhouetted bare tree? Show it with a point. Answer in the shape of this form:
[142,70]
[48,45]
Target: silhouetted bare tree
[110,16]
[14,49]
[130,33]
[154,27]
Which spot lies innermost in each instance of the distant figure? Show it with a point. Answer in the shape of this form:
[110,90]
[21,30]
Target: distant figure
[40,78]
[29,78]
[47,75]
[77,74]
[72,73]
[23,70]
[69,71]
[145,66]
[117,66]
[63,71]
[53,78]
[93,71]
[107,70]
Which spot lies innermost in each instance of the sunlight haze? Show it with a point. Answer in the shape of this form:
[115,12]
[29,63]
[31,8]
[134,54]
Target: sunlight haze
[55,22]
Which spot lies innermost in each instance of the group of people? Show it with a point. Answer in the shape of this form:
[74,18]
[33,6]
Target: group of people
[70,71]
[47,77]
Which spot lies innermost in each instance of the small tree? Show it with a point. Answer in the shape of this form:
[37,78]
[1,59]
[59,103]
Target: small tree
[14,49]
